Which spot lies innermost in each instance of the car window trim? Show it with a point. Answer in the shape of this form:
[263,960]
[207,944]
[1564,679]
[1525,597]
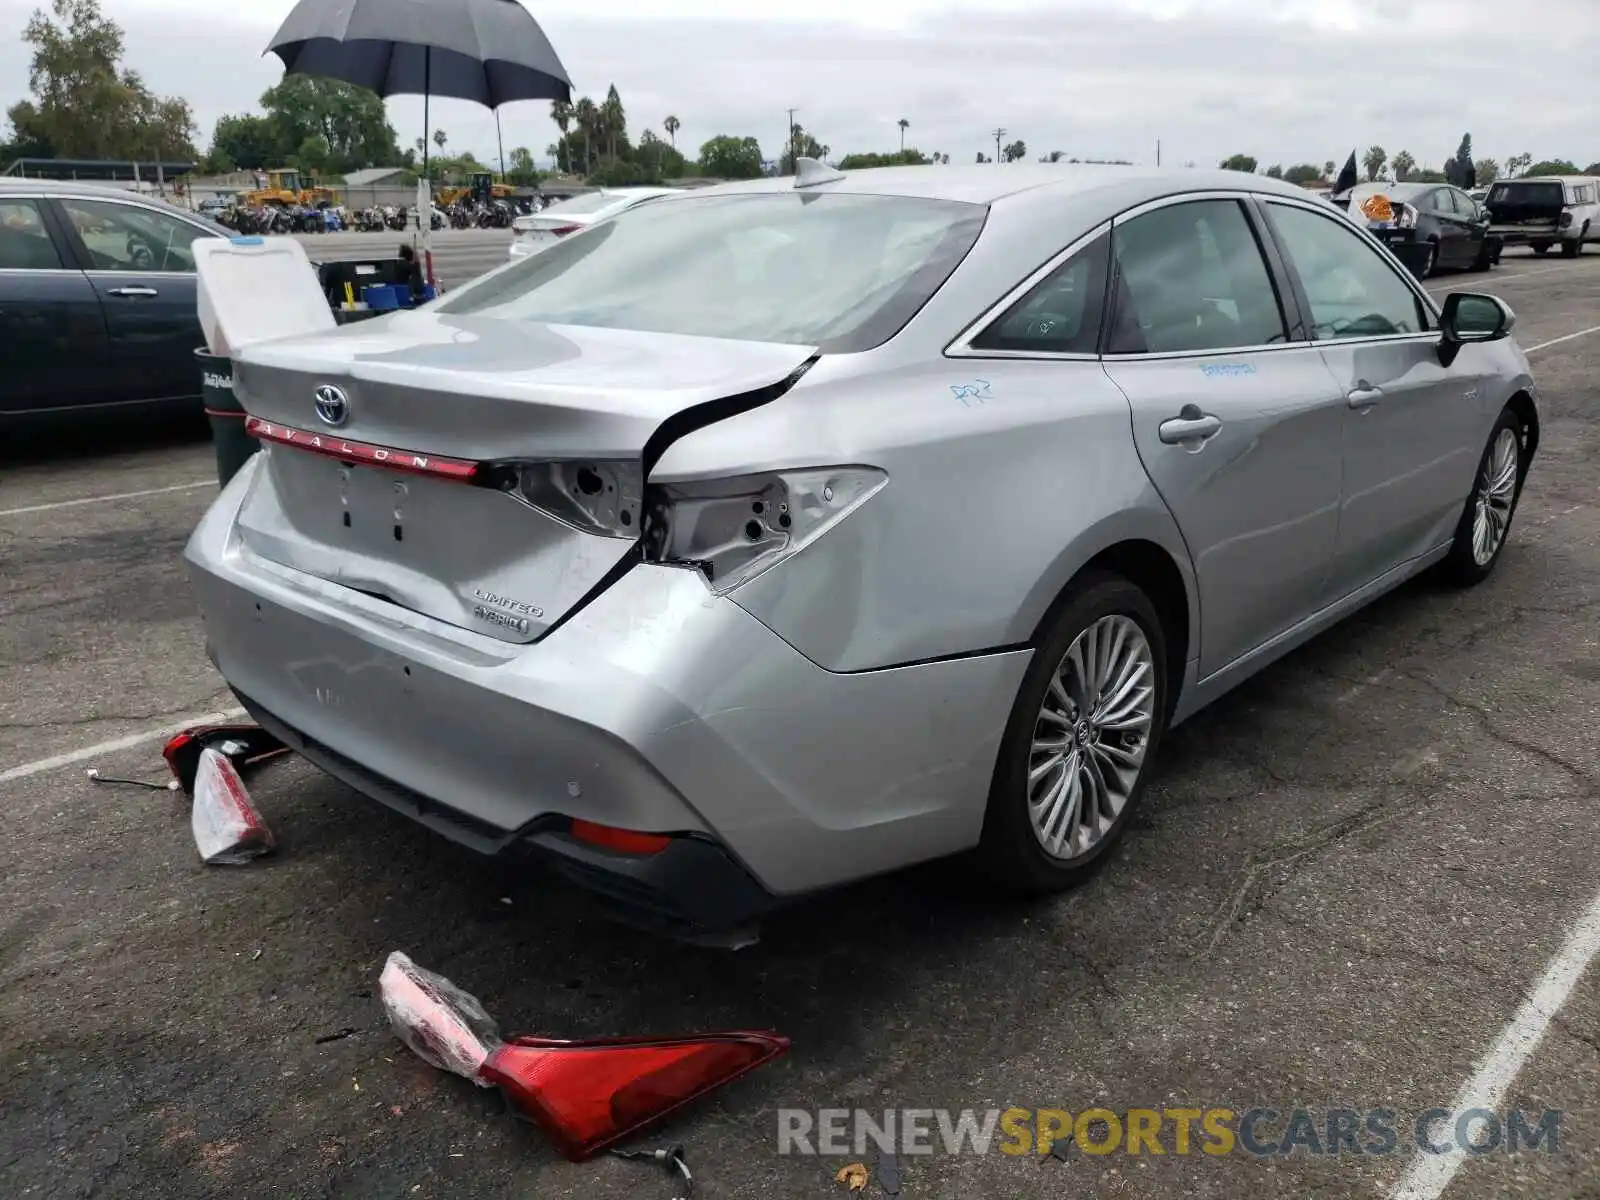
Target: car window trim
[52,230]
[961,345]
[1385,255]
[1289,313]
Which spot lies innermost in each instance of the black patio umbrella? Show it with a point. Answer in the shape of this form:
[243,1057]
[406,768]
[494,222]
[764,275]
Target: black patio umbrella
[491,51]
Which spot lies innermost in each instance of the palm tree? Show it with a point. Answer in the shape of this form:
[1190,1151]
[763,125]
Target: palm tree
[561,114]
[439,139]
[587,116]
[904,125]
[1403,165]
[672,125]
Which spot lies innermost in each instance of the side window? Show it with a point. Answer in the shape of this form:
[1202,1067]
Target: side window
[1061,313]
[1583,194]
[1352,291]
[25,243]
[122,237]
[1191,277]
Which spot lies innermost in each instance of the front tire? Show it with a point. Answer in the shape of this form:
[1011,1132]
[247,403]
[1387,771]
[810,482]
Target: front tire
[1485,523]
[1081,738]
[1572,247]
[1540,249]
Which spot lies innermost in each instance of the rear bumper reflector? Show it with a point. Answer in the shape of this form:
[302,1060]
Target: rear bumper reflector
[624,841]
[389,457]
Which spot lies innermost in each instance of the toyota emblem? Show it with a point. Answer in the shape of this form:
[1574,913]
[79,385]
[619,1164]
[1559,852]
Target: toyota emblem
[333,406]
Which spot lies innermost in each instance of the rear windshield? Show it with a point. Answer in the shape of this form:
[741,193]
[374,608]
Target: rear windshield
[1544,194]
[839,272]
[587,203]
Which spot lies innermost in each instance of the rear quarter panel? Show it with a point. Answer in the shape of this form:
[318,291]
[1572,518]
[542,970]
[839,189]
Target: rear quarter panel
[1005,477]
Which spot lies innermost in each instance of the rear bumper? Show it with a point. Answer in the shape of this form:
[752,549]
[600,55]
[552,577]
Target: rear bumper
[1404,245]
[658,707]
[1523,235]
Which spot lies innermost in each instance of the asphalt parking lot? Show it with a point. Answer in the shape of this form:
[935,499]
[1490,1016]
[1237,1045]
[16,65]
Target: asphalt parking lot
[1349,876]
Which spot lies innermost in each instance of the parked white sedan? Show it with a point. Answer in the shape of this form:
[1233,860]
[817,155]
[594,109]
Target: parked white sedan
[535,232]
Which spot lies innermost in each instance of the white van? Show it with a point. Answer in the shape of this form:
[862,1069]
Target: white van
[1546,211]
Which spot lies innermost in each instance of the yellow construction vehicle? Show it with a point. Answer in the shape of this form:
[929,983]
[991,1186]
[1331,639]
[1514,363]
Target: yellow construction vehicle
[283,187]
[481,187]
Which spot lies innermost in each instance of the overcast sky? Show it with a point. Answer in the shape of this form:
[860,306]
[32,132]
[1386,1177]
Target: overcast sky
[1093,78]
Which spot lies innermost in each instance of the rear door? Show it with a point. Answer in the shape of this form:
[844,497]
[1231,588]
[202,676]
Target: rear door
[1237,422]
[52,336]
[139,261]
[1456,245]
[1411,426]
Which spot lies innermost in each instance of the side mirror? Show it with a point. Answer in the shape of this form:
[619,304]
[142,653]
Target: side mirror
[1470,317]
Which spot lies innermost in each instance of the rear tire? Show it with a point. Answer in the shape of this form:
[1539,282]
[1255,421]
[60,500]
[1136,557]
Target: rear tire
[1573,247]
[1485,524]
[1430,262]
[1076,753]
[1540,249]
[1485,259]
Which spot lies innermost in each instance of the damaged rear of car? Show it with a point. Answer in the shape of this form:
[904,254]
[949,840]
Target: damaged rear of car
[457,581]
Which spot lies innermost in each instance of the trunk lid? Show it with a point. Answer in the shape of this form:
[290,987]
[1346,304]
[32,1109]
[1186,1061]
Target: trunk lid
[390,500]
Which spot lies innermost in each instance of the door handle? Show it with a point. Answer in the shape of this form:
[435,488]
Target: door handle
[1192,429]
[1363,397]
[133,291]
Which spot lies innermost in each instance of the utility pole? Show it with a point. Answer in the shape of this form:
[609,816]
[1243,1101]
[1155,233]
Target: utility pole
[998,134]
[793,145]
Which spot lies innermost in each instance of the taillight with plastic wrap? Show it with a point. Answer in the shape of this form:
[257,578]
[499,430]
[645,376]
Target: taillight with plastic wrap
[735,528]
[589,1095]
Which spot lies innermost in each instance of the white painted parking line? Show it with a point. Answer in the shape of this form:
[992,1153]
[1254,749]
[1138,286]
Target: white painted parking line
[1458,285]
[160,491]
[39,766]
[1430,1174]
[1559,340]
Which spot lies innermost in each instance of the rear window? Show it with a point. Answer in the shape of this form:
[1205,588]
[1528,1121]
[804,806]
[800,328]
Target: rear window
[840,272]
[587,203]
[1544,194]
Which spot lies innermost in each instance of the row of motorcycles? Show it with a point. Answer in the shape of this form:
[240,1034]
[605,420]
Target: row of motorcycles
[332,218]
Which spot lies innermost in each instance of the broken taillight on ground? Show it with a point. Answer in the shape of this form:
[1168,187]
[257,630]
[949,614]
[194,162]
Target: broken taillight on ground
[243,745]
[227,827]
[585,1095]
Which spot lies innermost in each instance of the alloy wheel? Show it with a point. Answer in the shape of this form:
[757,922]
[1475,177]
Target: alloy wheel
[1497,492]
[1091,736]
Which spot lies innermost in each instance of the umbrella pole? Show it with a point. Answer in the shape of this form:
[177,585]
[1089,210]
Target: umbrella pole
[501,138]
[425,219]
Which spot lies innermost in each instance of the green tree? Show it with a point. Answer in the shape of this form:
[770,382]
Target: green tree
[801,145]
[350,120]
[245,142]
[904,125]
[1373,161]
[905,158]
[1304,173]
[662,160]
[981,157]
[561,112]
[1426,175]
[1403,165]
[1592,169]
[613,120]
[672,125]
[522,172]
[1459,165]
[1328,169]
[1239,162]
[84,104]
[1551,166]
[1517,164]
[727,157]
[1274,172]
[587,118]
[1015,152]
[1488,171]
[439,139]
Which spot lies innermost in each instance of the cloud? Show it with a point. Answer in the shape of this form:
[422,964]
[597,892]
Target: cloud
[1306,81]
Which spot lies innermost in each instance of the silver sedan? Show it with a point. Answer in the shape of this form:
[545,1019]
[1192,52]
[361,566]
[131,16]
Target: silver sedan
[771,536]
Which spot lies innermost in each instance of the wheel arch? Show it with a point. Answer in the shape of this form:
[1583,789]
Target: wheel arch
[1150,554]
[1521,403]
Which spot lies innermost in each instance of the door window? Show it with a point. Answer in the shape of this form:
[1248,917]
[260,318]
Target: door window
[25,243]
[1442,202]
[1191,277]
[1352,291]
[1060,314]
[122,237]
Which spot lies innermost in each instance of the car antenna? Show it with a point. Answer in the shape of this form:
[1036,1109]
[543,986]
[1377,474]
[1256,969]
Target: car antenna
[808,172]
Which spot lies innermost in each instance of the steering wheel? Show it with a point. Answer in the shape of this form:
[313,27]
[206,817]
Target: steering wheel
[1044,325]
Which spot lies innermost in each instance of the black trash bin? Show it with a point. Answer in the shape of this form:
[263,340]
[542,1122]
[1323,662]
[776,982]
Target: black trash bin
[226,414]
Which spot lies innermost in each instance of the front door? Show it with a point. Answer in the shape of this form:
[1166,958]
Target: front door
[52,336]
[1238,427]
[1410,424]
[142,268]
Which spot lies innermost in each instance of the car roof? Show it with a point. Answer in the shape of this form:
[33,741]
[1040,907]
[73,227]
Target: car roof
[1398,189]
[992,182]
[1552,179]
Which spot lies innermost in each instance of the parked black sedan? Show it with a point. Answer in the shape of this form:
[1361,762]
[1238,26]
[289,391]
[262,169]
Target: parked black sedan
[97,298]
[1428,226]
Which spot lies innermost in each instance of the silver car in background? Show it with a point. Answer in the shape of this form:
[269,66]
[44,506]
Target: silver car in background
[541,230]
[786,532]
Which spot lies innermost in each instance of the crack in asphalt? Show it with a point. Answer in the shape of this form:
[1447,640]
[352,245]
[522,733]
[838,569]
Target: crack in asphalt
[100,718]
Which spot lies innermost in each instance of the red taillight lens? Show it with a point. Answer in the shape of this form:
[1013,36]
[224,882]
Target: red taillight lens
[588,1095]
[563,230]
[624,841]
